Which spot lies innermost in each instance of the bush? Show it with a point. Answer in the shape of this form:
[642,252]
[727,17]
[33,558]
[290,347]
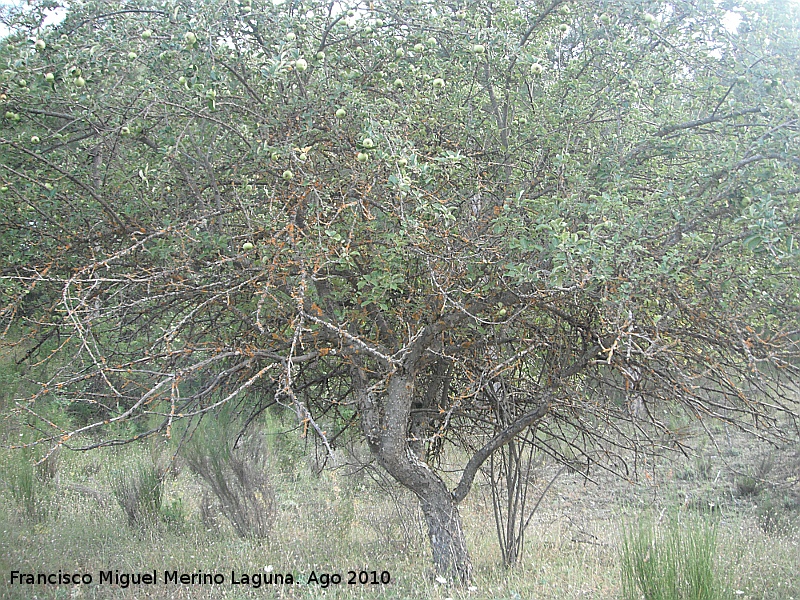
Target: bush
[674,561]
[29,483]
[139,491]
[235,473]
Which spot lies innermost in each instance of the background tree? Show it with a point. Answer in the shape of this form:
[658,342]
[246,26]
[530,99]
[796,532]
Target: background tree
[425,223]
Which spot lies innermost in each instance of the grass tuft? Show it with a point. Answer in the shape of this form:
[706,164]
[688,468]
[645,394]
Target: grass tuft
[670,561]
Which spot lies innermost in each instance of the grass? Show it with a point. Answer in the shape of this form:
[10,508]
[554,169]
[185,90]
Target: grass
[332,523]
[671,560]
[582,540]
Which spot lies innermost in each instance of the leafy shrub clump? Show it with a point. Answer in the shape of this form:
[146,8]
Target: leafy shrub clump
[139,490]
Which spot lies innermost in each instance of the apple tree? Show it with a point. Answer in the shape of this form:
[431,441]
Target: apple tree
[431,225]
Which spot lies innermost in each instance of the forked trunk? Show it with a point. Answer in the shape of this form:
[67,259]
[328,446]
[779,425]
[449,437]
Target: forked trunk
[386,425]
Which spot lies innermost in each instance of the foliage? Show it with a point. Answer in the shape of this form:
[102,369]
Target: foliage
[671,561]
[391,217]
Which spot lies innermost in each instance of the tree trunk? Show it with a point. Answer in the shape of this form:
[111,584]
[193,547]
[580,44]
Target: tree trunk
[446,535]
[385,422]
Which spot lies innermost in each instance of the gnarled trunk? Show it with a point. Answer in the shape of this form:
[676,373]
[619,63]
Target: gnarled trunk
[385,422]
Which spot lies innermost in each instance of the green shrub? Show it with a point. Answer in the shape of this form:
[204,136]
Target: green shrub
[29,484]
[174,514]
[139,491]
[234,469]
[671,561]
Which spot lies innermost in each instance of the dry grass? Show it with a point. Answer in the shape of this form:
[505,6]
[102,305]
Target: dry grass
[335,523]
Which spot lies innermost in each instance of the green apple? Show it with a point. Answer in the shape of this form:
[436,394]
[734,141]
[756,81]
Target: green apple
[247,246]
[4,188]
[648,18]
[48,186]
[302,157]
[402,162]
[478,49]
[182,80]
[398,83]
[438,83]
[563,27]
[9,115]
[22,83]
[125,130]
[80,82]
[536,69]
[605,18]
[35,139]
[341,113]
[211,94]
[378,22]
[431,41]
[275,156]
[40,44]
[131,55]
[362,157]
[418,47]
[287,175]
[301,64]
[368,143]
[741,79]
[320,55]
[190,38]
[787,102]
[291,36]
[399,53]
[49,77]
[147,34]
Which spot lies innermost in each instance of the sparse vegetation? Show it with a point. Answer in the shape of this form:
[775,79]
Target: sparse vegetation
[357,517]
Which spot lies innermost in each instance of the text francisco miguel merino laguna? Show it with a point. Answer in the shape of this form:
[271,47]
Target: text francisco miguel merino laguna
[124,580]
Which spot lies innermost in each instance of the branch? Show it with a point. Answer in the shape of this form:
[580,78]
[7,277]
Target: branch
[499,440]
[714,118]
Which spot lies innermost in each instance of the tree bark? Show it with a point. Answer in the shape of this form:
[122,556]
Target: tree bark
[385,423]
[446,535]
